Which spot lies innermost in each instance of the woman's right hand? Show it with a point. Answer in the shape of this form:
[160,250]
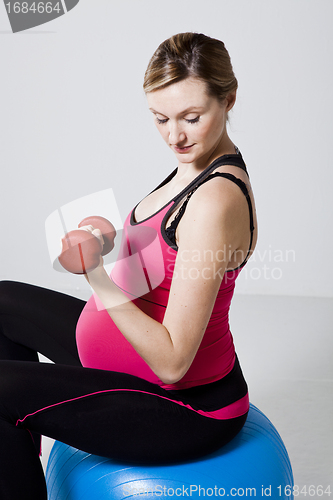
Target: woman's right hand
[83,248]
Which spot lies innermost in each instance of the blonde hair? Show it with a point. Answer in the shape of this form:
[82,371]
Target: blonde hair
[193,55]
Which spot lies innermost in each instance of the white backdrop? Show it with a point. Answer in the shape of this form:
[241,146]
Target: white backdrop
[74,121]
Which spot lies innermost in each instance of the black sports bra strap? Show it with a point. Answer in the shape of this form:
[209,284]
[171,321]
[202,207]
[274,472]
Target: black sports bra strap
[242,186]
[233,159]
[171,230]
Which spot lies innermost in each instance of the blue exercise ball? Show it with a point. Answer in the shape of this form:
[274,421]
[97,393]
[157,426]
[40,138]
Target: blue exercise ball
[254,464]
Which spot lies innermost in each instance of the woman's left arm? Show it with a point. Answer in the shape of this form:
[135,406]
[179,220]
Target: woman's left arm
[212,230]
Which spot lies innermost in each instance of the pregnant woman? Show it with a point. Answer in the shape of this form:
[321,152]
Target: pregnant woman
[146,370]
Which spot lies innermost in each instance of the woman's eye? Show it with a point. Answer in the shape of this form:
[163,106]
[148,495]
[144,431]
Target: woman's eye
[161,121]
[193,120]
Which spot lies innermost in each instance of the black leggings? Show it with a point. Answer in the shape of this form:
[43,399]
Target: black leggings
[100,412]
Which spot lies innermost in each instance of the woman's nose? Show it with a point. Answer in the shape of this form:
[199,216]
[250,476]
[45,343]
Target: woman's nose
[176,133]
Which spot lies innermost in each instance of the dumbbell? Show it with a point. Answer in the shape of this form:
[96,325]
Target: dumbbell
[81,250]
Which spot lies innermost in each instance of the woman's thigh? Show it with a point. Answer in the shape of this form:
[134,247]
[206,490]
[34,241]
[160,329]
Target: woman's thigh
[107,413]
[35,319]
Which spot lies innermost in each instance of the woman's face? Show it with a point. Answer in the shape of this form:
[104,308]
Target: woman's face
[191,122]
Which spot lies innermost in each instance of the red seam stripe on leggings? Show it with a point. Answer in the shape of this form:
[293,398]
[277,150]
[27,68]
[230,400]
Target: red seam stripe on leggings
[233,410]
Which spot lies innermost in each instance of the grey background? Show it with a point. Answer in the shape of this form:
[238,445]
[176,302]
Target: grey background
[74,122]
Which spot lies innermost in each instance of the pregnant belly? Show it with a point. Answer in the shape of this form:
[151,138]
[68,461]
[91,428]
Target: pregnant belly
[101,345]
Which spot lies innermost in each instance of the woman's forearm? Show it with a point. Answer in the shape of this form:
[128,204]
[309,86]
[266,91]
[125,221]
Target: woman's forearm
[149,338]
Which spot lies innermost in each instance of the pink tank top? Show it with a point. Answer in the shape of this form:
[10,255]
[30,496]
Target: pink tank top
[143,271]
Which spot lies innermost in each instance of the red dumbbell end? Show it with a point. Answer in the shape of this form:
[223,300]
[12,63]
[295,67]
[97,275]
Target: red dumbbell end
[81,252]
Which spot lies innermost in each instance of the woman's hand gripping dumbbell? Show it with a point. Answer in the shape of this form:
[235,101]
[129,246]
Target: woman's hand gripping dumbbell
[82,249]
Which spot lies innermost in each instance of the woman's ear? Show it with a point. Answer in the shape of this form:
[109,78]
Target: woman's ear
[231,99]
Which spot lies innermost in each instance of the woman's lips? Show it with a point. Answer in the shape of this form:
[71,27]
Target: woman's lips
[185,149]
